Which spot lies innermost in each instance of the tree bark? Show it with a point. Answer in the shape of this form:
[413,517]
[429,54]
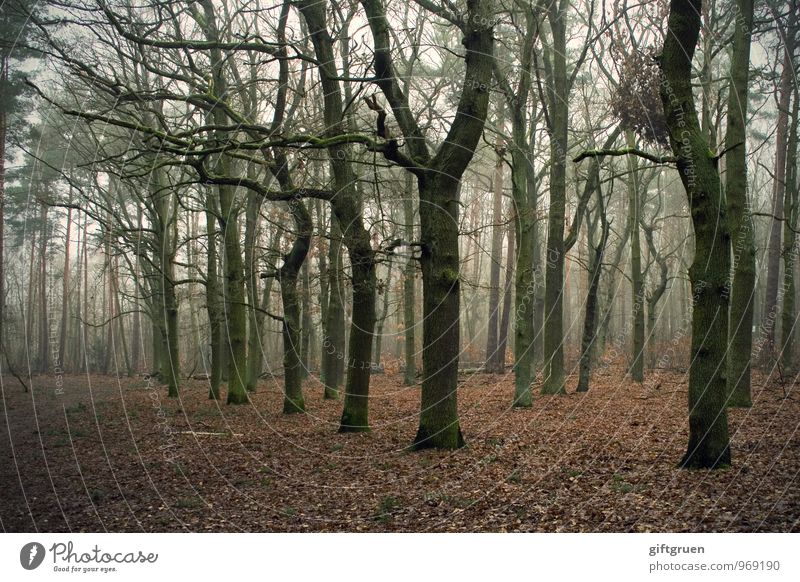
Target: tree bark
[288,275]
[636,369]
[44,323]
[502,339]
[333,345]
[62,344]
[347,209]
[554,271]
[778,193]
[496,252]
[590,316]
[708,421]
[213,296]
[251,287]
[409,291]
[789,251]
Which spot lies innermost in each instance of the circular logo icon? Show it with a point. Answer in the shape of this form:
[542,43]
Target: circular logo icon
[31,555]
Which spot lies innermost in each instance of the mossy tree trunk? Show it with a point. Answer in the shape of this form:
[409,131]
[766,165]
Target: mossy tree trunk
[655,294]
[524,284]
[775,246]
[789,251]
[288,275]
[438,180]
[346,207]
[306,321]
[164,303]
[595,270]
[213,296]
[709,445]
[742,301]
[523,194]
[438,425]
[229,208]
[252,286]
[636,369]
[554,270]
[333,346]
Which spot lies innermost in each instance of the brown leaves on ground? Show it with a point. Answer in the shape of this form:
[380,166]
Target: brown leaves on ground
[115,455]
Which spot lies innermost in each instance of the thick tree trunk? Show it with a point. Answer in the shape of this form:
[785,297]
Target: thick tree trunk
[438,180]
[554,277]
[347,208]
[235,306]
[708,421]
[438,425]
[525,285]
[288,275]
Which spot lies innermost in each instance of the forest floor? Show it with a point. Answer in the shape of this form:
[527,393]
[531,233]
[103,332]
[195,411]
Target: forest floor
[113,454]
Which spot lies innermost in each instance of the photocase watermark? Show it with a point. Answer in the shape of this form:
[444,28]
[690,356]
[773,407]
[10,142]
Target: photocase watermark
[55,356]
[66,558]
[31,555]
[168,449]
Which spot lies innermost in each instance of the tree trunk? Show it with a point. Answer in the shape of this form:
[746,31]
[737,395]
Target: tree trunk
[136,351]
[554,277]
[44,323]
[120,321]
[409,295]
[590,316]
[496,257]
[251,286]
[502,339]
[387,285]
[438,178]
[347,208]
[170,360]
[288,275]
[213,295]
[789,251]
[525,285]
[438,425]
[636,369]
[62,344]
[708,421]
[306,321]
[333,347]
[3,80]
[778,192]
